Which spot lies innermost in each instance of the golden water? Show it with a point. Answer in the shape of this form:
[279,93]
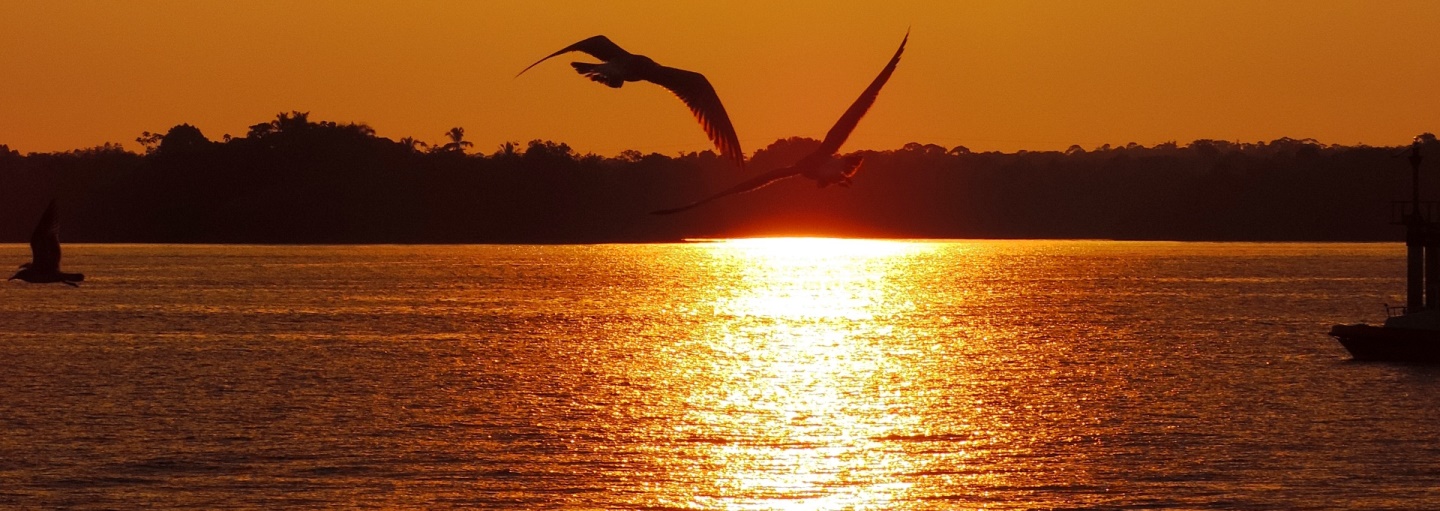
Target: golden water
[742,374]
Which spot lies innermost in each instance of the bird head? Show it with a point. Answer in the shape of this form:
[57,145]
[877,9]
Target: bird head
[836,171]
[23,274]
[852,165]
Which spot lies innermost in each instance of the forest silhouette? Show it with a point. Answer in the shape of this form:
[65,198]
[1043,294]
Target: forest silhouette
[293,180]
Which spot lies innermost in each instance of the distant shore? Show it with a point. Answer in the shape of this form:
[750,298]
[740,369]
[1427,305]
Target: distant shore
[296,181]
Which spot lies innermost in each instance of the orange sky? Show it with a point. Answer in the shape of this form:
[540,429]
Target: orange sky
[1001,75]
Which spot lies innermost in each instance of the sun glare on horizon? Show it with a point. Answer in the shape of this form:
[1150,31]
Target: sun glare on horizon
[814,246]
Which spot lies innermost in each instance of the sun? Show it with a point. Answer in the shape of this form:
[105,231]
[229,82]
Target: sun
[809,279]
[807,249]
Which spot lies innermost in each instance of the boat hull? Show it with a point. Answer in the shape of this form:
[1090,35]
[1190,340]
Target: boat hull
[1365,342]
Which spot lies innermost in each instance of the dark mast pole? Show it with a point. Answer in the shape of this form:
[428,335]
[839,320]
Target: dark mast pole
[1415,285]
[1415,175]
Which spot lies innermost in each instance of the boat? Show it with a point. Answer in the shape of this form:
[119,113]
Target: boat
[1410,333]
[1407,338]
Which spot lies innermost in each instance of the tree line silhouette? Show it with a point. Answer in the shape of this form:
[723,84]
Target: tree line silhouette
[293,180]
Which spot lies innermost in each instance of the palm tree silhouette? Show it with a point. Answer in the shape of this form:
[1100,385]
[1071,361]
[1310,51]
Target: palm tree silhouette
[507,150]
[457,140]
[413,145]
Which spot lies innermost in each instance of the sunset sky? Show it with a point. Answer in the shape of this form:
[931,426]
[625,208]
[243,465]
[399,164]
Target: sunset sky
[986,75]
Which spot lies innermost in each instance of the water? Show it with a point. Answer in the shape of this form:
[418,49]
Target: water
[770,374]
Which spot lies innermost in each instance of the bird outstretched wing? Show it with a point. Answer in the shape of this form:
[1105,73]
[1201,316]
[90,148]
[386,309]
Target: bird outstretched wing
[45,242]
[599,47]
[751,184]
[837,135]
[699,95]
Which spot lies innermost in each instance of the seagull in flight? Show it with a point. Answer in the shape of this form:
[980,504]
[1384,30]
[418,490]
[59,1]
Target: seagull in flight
[820,165]
[44,265]
[620,66]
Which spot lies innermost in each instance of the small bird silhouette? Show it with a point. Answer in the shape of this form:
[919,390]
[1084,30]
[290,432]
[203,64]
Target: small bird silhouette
[620,66]
[820,165]
[44,265]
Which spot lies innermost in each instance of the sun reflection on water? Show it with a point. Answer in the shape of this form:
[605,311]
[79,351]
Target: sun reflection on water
[800,389]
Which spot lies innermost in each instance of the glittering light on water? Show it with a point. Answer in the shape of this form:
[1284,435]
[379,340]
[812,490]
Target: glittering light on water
[795,393]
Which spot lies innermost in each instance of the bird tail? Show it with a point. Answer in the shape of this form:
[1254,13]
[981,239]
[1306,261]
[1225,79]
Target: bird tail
[593,72]
[73,277]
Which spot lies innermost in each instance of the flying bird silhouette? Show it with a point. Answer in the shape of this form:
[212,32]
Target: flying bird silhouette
[44,265]
[820,165]
[620,66]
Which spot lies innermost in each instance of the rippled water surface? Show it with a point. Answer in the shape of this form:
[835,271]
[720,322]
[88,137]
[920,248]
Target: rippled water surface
[748,374]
